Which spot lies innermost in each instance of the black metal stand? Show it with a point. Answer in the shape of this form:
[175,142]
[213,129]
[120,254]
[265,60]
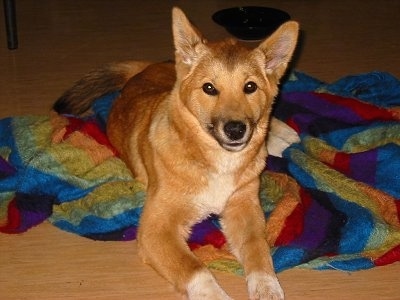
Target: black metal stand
[11,24]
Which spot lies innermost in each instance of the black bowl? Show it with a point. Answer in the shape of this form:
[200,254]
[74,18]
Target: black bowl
[250,22]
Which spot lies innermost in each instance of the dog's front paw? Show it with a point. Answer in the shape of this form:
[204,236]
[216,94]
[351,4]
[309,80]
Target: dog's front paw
[203,286]
[263,286]
[280,137]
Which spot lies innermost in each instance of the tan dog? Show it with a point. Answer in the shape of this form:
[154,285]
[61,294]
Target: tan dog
[194,133]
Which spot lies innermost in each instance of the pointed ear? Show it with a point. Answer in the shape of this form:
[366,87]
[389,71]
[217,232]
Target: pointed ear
[279,47]
[189,43]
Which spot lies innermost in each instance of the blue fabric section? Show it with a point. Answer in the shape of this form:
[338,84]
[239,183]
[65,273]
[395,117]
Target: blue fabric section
[387,174]
[300,82]
[287,257]
[7,142]
[305,179]
[379,88]
[94,225]
[338,138]
[350,265]
[102,107]
[357,230]
[38,182]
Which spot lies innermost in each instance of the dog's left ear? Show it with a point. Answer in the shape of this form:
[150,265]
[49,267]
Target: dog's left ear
[189,42]
[278,48]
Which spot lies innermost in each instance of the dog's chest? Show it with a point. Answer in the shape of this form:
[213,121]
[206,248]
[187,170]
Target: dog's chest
[213,197]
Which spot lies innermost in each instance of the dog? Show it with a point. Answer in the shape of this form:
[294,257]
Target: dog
[193,132]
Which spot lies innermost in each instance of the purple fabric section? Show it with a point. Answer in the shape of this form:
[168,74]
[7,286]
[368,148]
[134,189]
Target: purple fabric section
[313,103]
[129,234]
[363,166]
[316,222]
[33,209]
[34,203]
[304,121]
[200,231]
[276,164]
[31,218]
[5,168]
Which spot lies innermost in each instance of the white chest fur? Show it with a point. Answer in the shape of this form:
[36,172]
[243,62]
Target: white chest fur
[221,184]
[212,199]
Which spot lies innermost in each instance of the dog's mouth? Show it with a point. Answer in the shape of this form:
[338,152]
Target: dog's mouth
[232,135]
[234,147]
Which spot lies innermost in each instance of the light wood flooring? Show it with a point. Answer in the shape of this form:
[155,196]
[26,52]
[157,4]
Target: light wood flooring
[59,40]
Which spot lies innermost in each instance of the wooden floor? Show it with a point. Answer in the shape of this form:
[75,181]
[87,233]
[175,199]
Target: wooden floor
[61,39]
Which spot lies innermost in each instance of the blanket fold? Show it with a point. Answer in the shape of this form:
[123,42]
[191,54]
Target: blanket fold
[332,201]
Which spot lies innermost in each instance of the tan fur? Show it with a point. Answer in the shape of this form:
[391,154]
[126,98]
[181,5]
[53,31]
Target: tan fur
[175,139]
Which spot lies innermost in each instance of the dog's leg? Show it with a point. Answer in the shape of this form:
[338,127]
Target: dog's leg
[244,226]
[162,244]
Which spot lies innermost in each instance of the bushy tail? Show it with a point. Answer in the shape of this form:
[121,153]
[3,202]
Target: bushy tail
[109,78]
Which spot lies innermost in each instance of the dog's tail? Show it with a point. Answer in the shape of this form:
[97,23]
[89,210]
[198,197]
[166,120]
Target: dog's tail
[109,78]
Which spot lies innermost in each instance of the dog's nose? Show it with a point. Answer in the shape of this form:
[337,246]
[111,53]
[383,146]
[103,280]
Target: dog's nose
[235,130]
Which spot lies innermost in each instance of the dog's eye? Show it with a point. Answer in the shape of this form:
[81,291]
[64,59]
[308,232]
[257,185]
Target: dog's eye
[250,87]
[210,89]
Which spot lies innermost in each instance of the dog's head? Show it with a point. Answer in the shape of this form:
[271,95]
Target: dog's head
[227,87]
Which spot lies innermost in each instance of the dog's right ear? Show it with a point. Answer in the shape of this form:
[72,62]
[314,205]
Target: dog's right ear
[189,42]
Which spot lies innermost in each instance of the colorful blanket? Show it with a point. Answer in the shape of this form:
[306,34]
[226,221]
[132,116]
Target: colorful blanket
[332,201]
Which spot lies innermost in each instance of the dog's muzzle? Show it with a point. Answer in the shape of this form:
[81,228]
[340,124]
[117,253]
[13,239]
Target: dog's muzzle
[232,135]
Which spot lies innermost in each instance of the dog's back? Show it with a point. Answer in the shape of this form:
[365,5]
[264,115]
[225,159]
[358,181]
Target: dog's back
[134,111]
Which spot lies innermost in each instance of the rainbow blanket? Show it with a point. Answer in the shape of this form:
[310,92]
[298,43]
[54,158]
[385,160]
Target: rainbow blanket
[332,201]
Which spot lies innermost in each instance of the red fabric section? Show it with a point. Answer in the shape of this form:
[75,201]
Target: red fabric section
[194,246]
[294,224]
[216,238]
[389,257]
[13,219]
[397,202]
[73,125]
[341,163]
[293,124]
[365,110]
[89,128]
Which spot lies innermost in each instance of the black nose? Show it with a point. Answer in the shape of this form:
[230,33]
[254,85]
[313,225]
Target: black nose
[235,130]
